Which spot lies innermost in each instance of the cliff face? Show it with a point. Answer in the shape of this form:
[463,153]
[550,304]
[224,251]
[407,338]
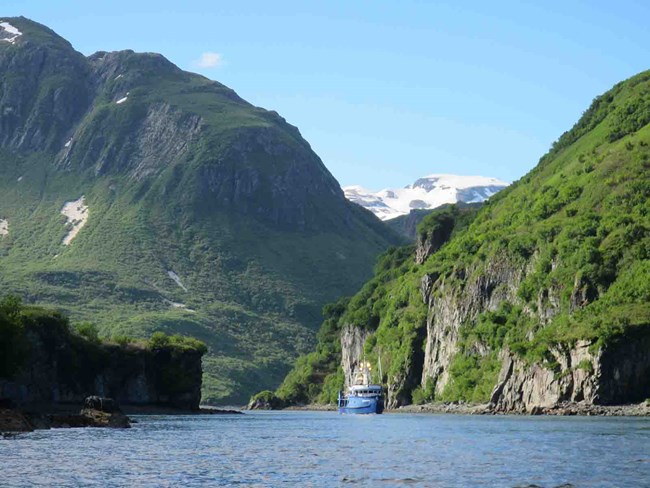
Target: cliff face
[580,372]
[614,375]
[59,367]
[352,341]
[449,307]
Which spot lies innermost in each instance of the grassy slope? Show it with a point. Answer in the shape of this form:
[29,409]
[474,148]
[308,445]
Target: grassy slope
[582,216]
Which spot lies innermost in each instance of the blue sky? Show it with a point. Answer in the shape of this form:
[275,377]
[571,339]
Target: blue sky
[386,92]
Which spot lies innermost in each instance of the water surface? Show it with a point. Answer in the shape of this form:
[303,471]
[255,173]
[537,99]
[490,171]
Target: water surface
[324,449]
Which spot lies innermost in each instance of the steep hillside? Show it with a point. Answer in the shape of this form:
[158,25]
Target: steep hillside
[543,298]
[425,193]
[407,225]
[142,197]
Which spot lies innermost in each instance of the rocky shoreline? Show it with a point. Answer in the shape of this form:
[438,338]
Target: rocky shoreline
[95,412]
[561,409]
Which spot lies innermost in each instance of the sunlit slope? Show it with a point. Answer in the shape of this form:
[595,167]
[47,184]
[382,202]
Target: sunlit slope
[205,215]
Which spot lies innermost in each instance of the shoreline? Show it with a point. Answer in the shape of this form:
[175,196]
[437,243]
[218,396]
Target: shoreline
[15,420]
[581,409]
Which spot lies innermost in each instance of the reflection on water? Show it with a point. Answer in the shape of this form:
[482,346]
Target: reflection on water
[324,449]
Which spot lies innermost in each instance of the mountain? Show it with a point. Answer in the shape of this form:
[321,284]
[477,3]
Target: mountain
[426,193]
[144,198]
[538,298]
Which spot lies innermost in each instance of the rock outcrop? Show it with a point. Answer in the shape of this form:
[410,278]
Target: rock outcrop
[352,342]
[266,400]
[450,307]
[96,412]
[579,373]
[61,368]
[524,388]
[12,420]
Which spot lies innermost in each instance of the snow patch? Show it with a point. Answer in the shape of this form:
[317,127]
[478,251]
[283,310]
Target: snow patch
[179,305]
[9,33]
[67,144]
[425,193]
[20,178]
[122,100]
[76,213]
[176,278]
[118,77]
[4,227]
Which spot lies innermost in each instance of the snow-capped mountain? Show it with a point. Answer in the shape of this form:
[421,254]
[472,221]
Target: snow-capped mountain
[428,192]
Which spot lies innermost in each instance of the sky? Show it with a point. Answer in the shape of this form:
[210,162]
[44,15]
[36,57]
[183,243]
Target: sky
[387,92]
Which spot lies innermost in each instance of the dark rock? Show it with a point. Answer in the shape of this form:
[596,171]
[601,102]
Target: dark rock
[129,376]
[218,411]
[537,410]
[7,403]
[14,421]
[86,418]
[97,418]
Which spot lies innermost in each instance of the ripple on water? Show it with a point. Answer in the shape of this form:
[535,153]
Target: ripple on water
[323,449]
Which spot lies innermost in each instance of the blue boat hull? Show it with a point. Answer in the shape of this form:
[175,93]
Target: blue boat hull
[361,405]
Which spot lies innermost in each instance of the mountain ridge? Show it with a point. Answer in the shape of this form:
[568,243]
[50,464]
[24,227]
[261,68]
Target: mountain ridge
[202,214]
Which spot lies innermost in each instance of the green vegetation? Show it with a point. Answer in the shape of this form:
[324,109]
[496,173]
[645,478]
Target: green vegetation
[245,214]
[13,344]
[19,321]
[267,399]
[161,341]
[307,383]
[575,232]
[317,377]
[41,351]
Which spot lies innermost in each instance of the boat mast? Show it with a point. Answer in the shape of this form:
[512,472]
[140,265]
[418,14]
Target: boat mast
[381,376]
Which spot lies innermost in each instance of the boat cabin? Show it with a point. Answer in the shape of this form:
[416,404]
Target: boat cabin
[365,390]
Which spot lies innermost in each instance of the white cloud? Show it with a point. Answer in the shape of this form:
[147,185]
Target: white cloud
[209,60]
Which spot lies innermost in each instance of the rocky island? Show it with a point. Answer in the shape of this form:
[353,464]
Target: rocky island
[49,368]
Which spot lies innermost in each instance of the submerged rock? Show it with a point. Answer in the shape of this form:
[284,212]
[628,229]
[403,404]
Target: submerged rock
[96,412]
[103,412]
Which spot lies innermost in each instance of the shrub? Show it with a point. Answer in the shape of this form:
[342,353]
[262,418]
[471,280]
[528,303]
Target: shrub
[88,331]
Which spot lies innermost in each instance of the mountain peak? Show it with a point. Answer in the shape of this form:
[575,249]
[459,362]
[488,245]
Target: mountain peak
[427,192]
[137,190]
[17,31]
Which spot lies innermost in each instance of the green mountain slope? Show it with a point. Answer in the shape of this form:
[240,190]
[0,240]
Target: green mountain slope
[407,225]
[544,297]
[205,215]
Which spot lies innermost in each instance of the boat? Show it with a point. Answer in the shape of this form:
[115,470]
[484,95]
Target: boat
[362,397]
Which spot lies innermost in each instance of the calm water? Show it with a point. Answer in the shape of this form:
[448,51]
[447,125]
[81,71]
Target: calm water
[324,449]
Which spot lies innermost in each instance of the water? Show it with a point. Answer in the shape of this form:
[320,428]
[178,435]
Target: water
[324,449]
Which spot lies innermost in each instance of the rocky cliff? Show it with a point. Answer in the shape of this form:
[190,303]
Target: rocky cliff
[541,297]
[48,365]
